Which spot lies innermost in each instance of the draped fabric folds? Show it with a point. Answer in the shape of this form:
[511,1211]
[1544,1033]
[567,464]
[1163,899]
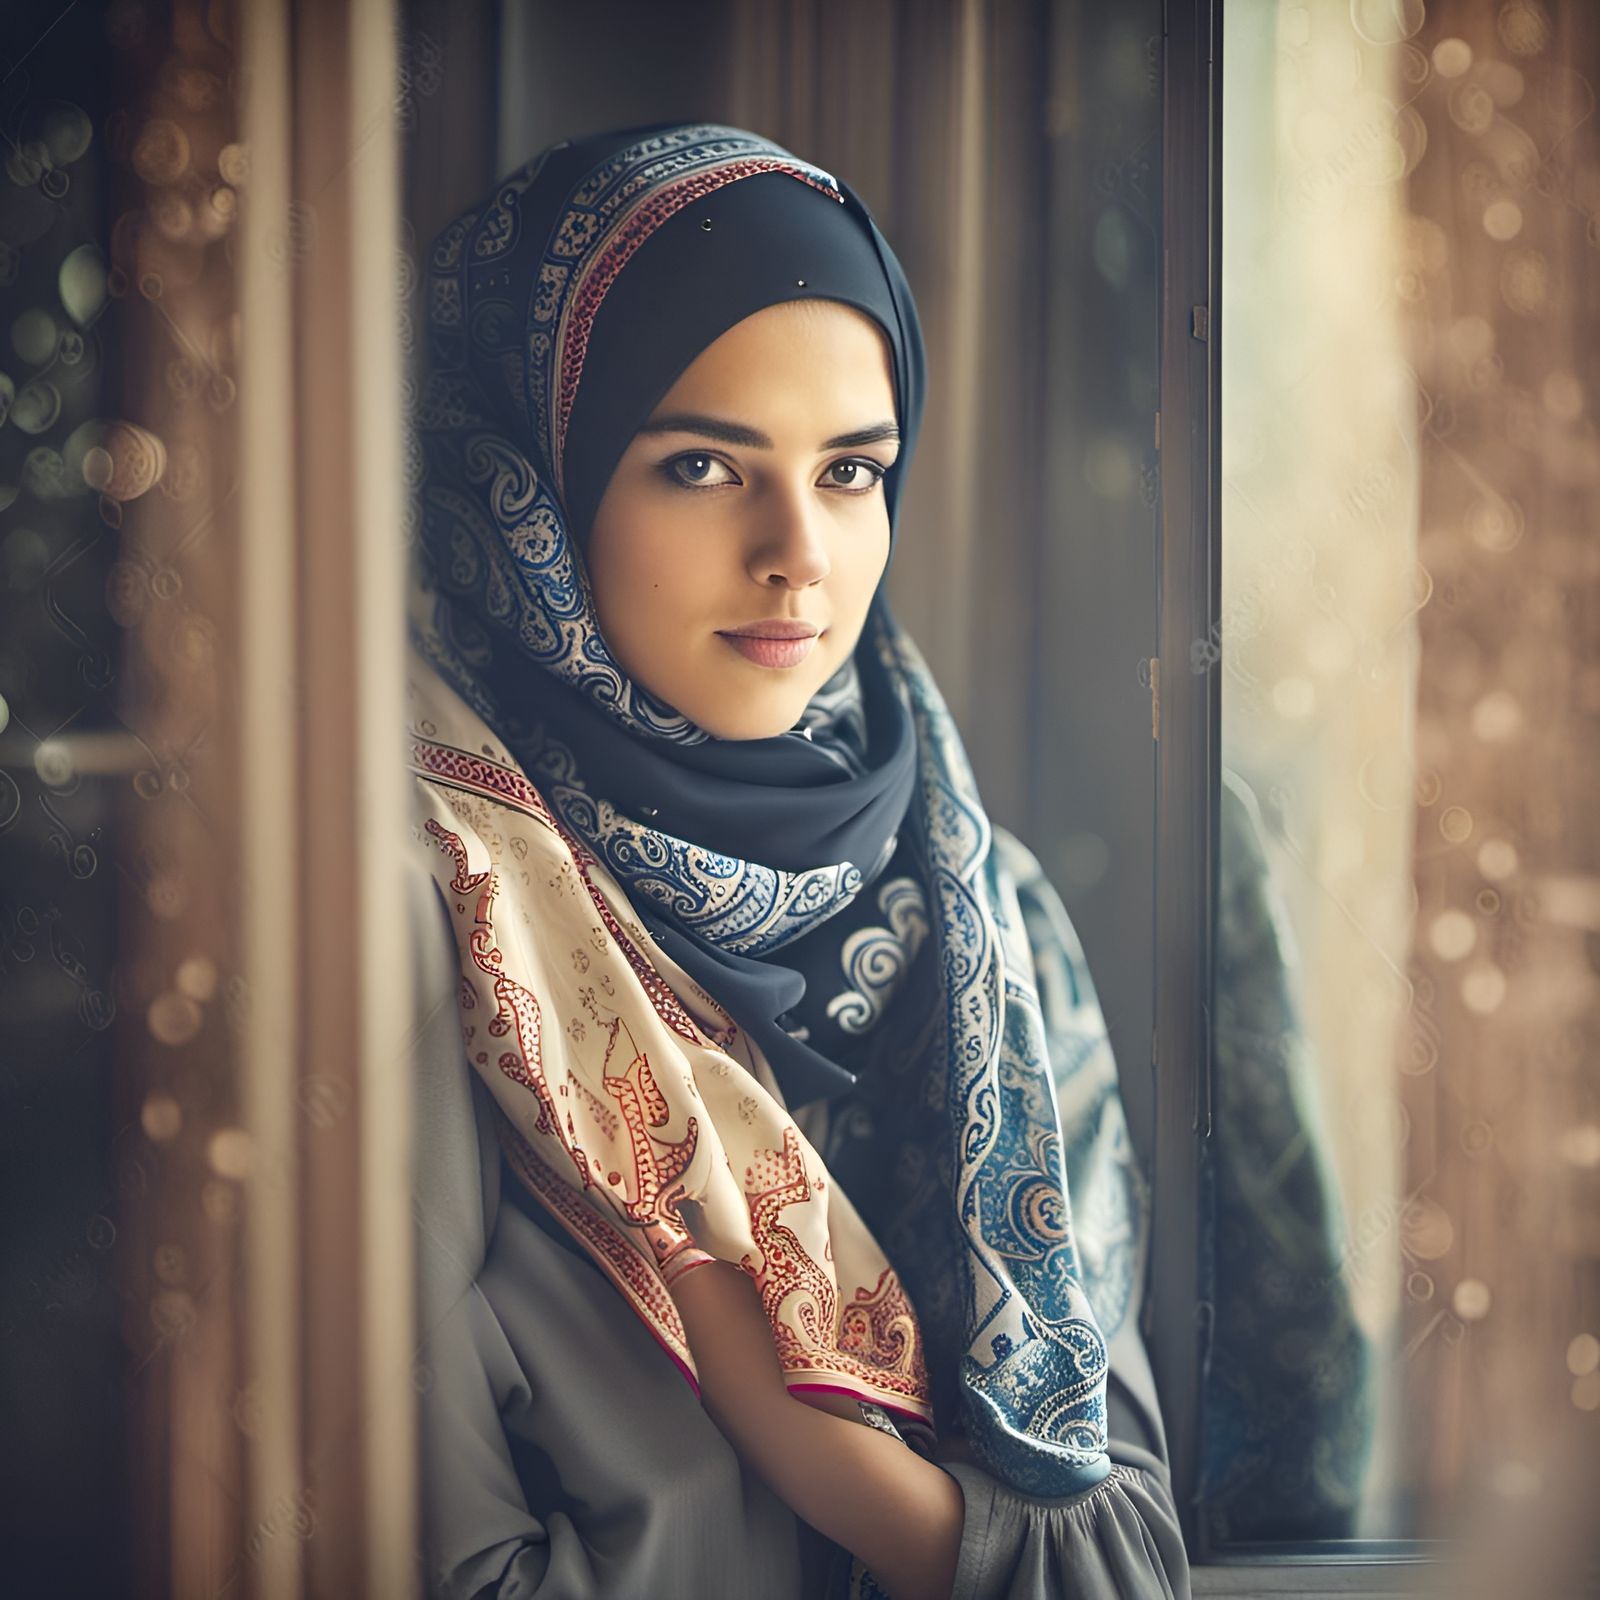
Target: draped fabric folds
[673,945]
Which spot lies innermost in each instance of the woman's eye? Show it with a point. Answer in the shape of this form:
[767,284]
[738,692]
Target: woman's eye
[859,475]
[696,470]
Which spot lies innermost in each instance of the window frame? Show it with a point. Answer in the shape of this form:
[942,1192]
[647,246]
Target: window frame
[1186,722]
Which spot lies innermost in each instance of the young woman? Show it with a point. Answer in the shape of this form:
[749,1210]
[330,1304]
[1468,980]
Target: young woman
[780,1234]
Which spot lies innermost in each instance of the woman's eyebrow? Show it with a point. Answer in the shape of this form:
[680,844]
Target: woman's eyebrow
[738,433]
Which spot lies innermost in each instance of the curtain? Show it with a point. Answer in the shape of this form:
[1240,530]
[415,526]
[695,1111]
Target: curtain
[1009,150]
[255,477]
[1318,656]
[1500,1088]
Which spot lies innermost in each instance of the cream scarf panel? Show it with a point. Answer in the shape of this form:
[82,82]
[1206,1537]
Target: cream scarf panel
[631,1104]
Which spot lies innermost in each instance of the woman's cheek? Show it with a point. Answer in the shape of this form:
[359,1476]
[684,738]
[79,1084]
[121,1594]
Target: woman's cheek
[868,567]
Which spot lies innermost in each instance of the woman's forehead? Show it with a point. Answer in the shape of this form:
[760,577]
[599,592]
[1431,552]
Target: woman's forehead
[819,351]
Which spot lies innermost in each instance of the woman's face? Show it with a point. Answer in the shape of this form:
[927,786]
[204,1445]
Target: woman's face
[751,497]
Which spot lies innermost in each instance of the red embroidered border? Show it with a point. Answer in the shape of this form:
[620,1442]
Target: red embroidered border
[494,782]
[878,1341]
[483,777]
[655,1307]
[624,1266]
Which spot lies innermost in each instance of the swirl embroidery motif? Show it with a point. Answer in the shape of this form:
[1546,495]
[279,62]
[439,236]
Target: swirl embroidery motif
[875,958]
[745,906]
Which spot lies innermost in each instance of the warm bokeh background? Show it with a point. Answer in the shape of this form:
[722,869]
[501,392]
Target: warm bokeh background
[1410,649]
[211,219]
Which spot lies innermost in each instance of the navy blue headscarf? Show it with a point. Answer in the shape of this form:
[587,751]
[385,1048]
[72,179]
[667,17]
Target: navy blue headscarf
[563,329]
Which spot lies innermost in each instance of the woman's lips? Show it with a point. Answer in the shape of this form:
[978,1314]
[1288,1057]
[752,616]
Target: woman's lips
[771,652]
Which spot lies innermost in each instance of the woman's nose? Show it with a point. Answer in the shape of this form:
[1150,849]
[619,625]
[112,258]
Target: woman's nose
[789,546]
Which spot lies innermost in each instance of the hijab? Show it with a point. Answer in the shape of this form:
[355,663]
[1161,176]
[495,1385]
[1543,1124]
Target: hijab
[830,892]
[739,847]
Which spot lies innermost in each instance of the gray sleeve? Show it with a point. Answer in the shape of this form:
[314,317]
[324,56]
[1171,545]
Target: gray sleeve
[479,1535]
[1120,1540]
[1116,1541]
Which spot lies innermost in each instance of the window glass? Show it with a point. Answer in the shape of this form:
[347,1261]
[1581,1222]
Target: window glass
[1403,1160]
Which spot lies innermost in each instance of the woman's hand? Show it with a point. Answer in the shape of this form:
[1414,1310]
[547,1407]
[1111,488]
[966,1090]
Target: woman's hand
[901,1515]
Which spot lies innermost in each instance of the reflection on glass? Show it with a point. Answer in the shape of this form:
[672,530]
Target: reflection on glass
[1289,1403]
[1403,1169]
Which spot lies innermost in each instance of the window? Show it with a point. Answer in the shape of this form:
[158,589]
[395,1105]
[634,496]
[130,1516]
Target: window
[1376,660]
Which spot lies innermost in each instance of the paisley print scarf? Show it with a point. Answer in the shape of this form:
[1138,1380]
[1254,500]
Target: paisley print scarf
[677,949]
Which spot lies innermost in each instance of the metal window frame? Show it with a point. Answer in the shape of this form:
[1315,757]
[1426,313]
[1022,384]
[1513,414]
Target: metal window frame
[1187,753]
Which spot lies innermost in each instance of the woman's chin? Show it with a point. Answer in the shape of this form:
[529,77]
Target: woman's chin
[742,731]
[752,716]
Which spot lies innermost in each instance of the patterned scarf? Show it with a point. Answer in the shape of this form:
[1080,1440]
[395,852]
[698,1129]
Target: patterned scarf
[823,919]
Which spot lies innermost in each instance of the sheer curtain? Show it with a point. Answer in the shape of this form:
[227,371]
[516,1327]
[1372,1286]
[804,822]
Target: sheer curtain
[1501,1083]
[263,1052]
[1319,650]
